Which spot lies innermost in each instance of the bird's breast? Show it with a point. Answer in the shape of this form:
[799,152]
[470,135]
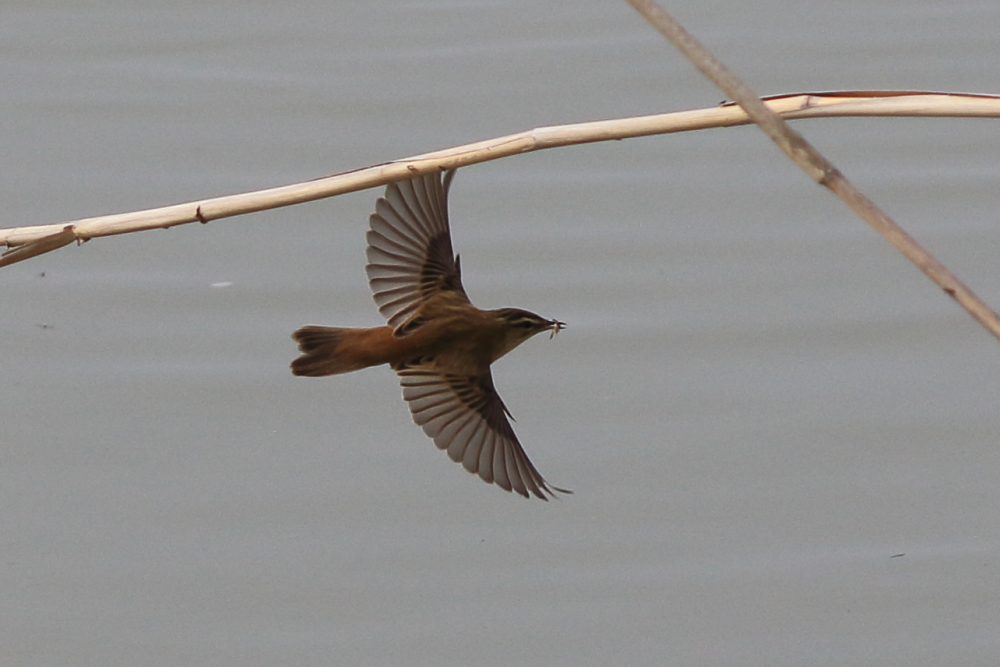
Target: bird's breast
[460,343]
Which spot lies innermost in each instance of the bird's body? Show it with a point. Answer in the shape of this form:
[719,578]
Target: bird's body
[467,342]
[436,340]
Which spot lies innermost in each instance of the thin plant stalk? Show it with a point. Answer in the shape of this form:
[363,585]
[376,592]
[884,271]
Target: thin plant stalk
[821,170]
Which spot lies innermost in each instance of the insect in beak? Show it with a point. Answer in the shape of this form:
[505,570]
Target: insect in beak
[555,326]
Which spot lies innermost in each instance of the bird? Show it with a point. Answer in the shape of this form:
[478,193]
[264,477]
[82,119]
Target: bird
[437,342]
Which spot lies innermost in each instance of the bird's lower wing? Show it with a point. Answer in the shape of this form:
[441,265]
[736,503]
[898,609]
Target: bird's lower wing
[464,415]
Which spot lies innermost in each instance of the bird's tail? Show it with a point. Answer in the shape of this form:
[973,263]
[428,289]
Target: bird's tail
[334,350]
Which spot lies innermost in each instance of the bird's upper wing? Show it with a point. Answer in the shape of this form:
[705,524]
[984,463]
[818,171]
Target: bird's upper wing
[410,258]
[464,415]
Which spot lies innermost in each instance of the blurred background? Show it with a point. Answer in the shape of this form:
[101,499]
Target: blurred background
[782,438]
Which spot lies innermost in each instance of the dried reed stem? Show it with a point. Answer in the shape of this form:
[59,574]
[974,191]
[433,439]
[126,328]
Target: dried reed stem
[35,240]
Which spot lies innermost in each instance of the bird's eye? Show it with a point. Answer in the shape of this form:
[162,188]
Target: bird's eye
[525,324]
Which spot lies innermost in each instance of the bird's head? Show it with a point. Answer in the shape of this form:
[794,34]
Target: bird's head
[520,325]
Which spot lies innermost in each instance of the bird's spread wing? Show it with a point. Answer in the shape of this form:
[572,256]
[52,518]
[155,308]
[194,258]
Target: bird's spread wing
[410,258]
[464,415]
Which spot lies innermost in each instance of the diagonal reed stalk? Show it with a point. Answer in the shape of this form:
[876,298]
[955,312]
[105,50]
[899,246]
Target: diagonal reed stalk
[813,163]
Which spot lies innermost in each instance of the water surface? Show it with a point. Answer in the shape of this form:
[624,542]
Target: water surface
[781,437]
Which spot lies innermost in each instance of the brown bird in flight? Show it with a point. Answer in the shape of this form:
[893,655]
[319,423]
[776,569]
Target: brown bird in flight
[439,344]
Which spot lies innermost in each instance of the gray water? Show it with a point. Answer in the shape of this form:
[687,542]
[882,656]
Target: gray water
[781,437]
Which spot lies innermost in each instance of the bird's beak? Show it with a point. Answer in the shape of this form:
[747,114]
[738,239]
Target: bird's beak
[555,326]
